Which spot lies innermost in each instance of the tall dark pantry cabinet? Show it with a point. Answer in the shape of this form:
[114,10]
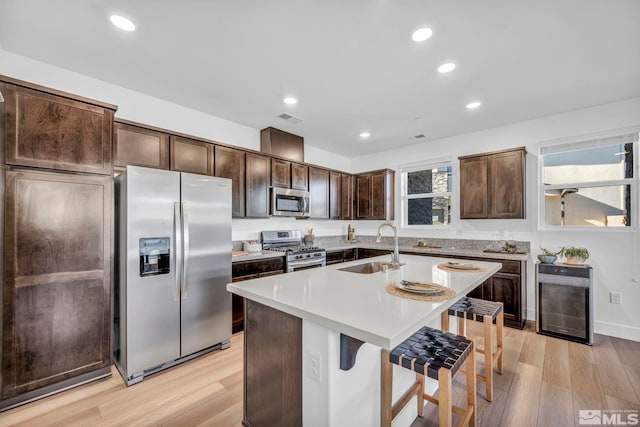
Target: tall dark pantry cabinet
[57,220]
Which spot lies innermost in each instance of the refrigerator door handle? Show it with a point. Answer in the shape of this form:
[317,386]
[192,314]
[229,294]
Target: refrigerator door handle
[185,253]
[177,240]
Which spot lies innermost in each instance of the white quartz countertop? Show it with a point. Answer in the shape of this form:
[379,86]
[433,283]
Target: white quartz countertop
[358,304]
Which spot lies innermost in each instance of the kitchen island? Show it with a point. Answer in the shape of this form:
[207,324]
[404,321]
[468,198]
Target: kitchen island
[298,325]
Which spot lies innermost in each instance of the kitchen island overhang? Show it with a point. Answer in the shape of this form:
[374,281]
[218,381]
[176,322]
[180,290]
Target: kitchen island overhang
[301,316]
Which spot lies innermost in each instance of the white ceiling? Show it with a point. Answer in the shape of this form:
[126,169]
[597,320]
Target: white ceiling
[351,63]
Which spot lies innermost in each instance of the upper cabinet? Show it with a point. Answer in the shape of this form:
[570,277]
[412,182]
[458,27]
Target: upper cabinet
[318,193]
[492,185]
[55,130]
[258,172]
[280,173]
[189,155]
[230,163]
[286,174]
[346,196]
[299,176]
[335,199]
[140,146]
[374,195]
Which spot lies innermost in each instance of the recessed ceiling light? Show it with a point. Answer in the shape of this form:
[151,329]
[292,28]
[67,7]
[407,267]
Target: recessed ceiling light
[421,34]
[290,100]
[122,23]
[365,135]
[473,105]
[446,67]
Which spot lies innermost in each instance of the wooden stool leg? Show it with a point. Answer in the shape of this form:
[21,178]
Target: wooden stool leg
[444,397]
[386,385]
[488,356]
[471,385]
[444,321]
[462,329]
[420,381]
[500,337]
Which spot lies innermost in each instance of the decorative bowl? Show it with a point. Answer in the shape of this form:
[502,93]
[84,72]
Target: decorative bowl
[547,259]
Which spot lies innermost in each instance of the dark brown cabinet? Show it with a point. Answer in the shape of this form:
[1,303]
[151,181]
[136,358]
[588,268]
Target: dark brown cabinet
[280,173]
[247,270]
[346,196]
[299,176]
[374,195]
[508,286]
[140,146]
[57,131]
[492,185]
[189,155]
[340,255]
[286,174]
[230,163]
[335,195]
[57,281]
[258,173]
[318,193]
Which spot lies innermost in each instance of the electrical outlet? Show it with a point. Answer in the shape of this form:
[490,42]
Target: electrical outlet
[615,297]
[315,370]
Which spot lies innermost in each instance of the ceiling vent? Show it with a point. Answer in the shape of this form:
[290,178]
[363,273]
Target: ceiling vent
[289,118]
[419,136]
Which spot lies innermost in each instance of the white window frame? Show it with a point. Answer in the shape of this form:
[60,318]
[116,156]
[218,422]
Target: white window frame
[584,142]
[404,197]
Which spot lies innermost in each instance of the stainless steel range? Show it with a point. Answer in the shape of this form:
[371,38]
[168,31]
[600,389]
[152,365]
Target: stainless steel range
[298,256]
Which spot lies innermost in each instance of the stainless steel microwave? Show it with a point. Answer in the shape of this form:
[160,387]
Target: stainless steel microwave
[288,202]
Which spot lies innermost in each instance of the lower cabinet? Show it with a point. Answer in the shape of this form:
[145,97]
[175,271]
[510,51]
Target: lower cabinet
[370,253]
[508,286]
[340,255]
[247,270]
[56,318]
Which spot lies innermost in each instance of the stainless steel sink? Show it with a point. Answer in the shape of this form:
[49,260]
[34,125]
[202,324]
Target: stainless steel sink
[368,267]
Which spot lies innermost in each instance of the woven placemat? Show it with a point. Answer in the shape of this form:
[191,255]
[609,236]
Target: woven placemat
[394,290]
[445,267]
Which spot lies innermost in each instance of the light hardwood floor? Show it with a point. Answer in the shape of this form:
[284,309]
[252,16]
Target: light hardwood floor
[545,382]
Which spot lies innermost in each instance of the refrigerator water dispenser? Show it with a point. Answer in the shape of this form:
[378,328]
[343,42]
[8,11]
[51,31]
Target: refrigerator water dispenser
[154,256]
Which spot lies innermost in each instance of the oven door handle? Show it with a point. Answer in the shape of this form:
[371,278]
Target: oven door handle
[315,261]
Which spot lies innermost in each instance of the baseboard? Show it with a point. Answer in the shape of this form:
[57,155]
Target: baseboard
[618,331]
[605,328]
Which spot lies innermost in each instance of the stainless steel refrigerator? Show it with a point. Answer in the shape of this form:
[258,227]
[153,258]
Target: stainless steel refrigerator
[173,263]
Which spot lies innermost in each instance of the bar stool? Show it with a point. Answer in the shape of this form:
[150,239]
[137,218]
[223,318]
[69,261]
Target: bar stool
[437,355]
[486,312]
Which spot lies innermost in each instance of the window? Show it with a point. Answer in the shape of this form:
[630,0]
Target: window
[590,183]
[426,195]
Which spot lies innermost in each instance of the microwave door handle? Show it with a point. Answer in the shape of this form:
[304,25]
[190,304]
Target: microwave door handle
[303,204]
[185,251]
[177,242]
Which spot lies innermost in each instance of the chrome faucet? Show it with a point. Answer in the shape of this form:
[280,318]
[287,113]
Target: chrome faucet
[395,256]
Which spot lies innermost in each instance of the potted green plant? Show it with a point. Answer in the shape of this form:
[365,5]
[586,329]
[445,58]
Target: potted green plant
[547,256]
[574,255]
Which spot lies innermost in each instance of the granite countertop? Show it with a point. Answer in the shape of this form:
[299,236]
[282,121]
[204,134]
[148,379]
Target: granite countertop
[427,250]
[253,256]
[449,247]
[358,305]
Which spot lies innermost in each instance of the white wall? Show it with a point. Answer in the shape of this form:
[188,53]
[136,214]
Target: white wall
[614,253]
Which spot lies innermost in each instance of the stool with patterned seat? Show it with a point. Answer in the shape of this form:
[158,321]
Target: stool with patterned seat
[487,312]
[438,355]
